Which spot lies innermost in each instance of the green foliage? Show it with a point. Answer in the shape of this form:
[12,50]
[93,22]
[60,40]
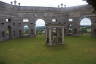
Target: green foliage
[76,50]
[40,30]
[85,29]
[26,29]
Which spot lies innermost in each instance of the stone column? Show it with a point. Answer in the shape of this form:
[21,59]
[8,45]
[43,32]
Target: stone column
[33,26]
[50,38]
[46,33]
[0,29]
[76,26]
[93,26]
[0,34]
[63,35]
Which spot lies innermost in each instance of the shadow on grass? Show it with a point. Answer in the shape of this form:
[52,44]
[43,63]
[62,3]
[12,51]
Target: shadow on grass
[57,47]
[2,62]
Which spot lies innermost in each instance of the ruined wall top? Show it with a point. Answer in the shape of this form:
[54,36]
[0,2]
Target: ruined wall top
[54,9]
[6,6]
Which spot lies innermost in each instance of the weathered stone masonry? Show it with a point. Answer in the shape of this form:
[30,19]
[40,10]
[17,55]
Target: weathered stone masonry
[12,25]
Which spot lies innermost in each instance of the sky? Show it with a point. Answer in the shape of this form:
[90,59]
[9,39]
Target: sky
[48,3]
[85,21]
[40,22]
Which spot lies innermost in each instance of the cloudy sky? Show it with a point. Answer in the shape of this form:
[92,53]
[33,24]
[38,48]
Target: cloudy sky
[85,21]
[48,3]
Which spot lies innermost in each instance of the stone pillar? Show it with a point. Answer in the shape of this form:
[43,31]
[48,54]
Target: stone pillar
[63,35]
[93,27]
[0,34]
[32,27]
[50,39]
[0,29]
[76,26]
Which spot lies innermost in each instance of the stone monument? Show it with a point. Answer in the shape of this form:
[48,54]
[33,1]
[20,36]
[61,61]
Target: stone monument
[54,34]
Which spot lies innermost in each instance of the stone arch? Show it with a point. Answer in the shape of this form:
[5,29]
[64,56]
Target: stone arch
[26,30]
[85,25]
[70,29]
[40,26]
[73,26]
[87,17]
[40,22]
[85,20]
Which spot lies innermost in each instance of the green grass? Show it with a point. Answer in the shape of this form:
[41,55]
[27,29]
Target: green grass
[77,50]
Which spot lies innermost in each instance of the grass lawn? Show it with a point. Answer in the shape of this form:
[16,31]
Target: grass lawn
[77,50]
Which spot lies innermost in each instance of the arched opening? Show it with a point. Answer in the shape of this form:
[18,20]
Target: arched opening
[75,31]
[85,26]
[70,30]
[40,26]
[9,32]
[26,30]
[3,34]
